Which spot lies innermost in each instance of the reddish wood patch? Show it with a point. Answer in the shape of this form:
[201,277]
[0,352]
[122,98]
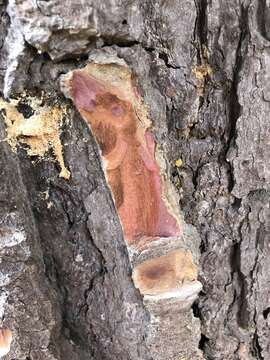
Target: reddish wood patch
[128,148]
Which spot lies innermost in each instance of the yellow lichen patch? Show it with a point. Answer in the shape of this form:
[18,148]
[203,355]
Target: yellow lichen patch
[40,132]
[205,52]
[201,71]
[178,162]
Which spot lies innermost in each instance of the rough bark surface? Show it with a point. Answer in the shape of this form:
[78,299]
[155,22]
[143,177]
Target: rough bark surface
[202,68]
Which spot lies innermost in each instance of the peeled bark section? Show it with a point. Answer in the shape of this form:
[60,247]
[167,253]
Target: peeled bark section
[107,99]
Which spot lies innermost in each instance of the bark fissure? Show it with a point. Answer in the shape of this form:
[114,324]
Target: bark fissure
[233,104]
[200,30]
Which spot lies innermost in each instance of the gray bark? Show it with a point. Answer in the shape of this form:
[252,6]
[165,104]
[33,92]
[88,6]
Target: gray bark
[202,67]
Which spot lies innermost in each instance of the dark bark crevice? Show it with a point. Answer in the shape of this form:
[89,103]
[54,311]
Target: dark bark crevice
[241,51]
[256,350]
[200,30]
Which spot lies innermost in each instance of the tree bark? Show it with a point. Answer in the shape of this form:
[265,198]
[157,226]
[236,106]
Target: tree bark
[201,68]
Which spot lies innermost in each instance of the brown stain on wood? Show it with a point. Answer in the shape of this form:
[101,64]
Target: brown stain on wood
[106,98]
[165,273]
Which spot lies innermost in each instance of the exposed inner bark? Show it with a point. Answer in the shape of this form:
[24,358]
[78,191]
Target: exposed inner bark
[107,100]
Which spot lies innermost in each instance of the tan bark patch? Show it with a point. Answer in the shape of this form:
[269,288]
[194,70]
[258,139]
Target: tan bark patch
[165,273]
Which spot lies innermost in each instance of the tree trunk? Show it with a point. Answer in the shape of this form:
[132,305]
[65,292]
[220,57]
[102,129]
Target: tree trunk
[69,279]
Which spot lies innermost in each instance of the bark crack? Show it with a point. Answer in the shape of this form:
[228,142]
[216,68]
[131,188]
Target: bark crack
[234,106]
[200,30]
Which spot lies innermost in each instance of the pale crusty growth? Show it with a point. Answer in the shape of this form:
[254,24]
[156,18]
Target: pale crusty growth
[5,341]
[40,132]
[166,273]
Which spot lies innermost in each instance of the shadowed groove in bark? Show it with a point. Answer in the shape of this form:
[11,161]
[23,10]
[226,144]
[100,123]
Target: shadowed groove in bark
[200,30]
[73,326]
[234,113]
[234,107]
[257,350]
[242,314]
[200,40]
